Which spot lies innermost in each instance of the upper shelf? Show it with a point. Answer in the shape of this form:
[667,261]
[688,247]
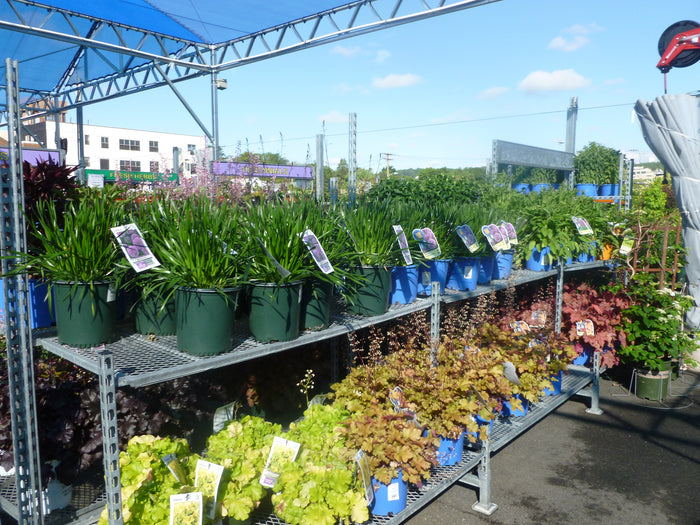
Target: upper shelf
[141,360]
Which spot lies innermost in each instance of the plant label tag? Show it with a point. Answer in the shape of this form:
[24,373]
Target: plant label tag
[223,415]
[588,327]
[429,246]
[365,475]
[175,467]
[186,508]
[495,237]
[134,247]
[627,245]
[403,244]
[468,272]
[283,451]
[580,328]
[316,250]
[538,318]
[96,180]
[111,293]
[582,226]
[392,491]
[510,231]
[468,238]
[207,478]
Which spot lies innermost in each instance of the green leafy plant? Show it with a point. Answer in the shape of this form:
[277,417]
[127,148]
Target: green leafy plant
[597,164]
[370,228]
[654,324]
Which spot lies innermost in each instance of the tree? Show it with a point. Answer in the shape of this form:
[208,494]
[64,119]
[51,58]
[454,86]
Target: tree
[597,164]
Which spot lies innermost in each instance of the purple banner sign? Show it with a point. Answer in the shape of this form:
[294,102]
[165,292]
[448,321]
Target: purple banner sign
[240,169]
[33,156]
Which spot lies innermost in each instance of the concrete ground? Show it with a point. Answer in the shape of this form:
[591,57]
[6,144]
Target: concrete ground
[637,463]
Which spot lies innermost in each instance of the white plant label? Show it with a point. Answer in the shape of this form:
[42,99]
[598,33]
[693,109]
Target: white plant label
[316,250]
[428,243]
[207,478]
[392,491]
[134,247]
[403,244]
[468,272]
[510,231]
[468,238]
[186,508]
[365,475]
[283,451]
[582,226]
[496,239]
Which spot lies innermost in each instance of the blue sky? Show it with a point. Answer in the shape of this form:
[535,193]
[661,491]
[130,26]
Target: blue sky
[438,92]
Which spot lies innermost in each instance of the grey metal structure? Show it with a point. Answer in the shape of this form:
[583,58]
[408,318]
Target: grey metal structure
[511,153]
[18,332]
[352,157]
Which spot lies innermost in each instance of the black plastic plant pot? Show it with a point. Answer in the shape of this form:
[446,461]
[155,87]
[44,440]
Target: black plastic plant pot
[315,309]
[205,319]
[274,311]
[155,316]
[86,313]
[372,297]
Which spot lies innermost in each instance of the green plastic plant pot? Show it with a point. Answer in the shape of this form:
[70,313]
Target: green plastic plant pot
[85,315]
[152,317]
[274,311]
[315,309]
[204,320]
[372,297]
[653,385]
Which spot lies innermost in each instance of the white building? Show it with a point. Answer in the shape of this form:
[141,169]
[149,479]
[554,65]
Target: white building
[119,149]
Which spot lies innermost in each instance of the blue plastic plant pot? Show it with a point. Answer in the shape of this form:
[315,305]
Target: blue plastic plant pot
[556,380]
[391,498]
[436,270]
[502,265]
[609,190]
[537,188]
[588,190]
[463,274]
[404,284]
[450,450]
[585,356]
[508,408]
[482,422]
[40,314]
[485,269]
[521,188]
[539,261]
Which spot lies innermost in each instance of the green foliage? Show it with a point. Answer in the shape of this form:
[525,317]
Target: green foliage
[370,228]
[653,200]
[597,164]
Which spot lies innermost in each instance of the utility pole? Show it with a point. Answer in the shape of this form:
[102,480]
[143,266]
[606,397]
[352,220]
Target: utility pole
[388,160]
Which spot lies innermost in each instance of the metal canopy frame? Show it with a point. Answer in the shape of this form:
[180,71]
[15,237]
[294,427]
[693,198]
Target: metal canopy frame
[170,59]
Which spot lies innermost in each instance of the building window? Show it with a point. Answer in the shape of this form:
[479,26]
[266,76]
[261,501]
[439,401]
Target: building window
[130,145]
[87,139]
[105,142]
[104,164]
[87,161]
[129,165]
[154,166]
[153,146]
[192,148]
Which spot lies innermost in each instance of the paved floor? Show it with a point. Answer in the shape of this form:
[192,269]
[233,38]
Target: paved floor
[637,463]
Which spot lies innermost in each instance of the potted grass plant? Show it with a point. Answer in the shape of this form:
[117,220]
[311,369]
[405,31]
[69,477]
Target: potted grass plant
[76,255]
[441,220]
[369,226]
[204,260]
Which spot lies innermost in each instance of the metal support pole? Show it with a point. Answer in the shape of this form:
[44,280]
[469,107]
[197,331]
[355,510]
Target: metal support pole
[595,387]
[81,145]
[434,320]
[571,115]
[20,359]
[352,158]
[559,297]
[110,441]
[482,481]
[319,168]
[214,116]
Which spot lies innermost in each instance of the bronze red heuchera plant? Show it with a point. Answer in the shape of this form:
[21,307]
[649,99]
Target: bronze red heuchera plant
[605,308]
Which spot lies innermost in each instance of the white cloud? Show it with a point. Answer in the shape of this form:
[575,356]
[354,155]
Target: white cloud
[394,81]
[492,92]
[381,56]
[334,117]
[568,44]
[346,51]
[560,80]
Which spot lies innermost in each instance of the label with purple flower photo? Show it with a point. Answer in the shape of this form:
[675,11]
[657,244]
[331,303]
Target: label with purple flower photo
[316,250]
[497,240]
[134,247]
[468,238]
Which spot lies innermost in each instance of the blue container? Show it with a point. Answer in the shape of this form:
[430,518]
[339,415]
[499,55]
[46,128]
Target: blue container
[391,498]
[485,269]
[502,265]
[40,314]
[556,384]
[463,274]
[450,450]
[435,271]
[404,284]
[508,408]
[589,190]
[609,190]
[482,422]
[539,261]
[521,188]
[536,188]
[585,356]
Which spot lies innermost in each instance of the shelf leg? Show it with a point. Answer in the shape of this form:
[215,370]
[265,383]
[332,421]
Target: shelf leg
[482,482]
[595,387]
[434,320]
[110,441]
